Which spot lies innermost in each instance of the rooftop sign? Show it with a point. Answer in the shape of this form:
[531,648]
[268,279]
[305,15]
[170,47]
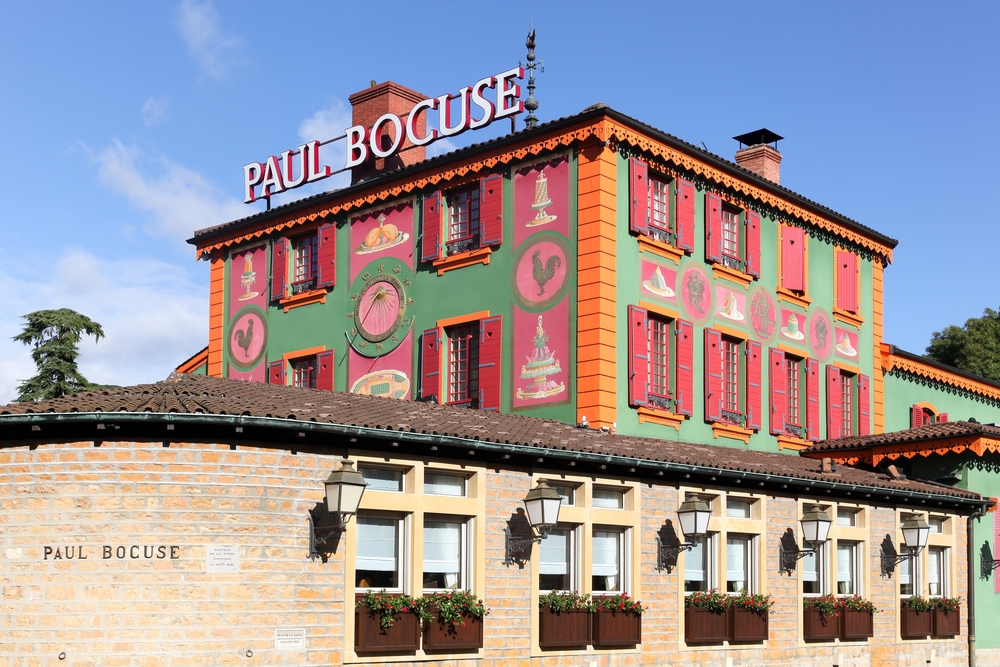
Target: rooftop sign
[456,114]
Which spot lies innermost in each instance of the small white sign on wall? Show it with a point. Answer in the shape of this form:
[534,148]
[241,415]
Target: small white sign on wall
[289,639]
[222,558]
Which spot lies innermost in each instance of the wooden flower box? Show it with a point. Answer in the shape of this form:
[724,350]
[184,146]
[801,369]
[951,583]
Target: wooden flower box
[819,627]
[616,628]
[702,626]
[370,637]
[856,625]
[915,624]
[567,628]
[947,623]
[746,626]
[440,636]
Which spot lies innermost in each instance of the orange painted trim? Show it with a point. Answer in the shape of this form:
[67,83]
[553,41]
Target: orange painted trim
[734,333]
[457,261]
[846,367]
[462,319]
[848,318]
[304,352]
[659,310]
[732,275]
[878,376]
[891,361]
[303,299]
[655,247]
[788,349]
[793,298]
[732,431]
[788,442]
[661,417]
[194,363]
[216,310]
[978,445]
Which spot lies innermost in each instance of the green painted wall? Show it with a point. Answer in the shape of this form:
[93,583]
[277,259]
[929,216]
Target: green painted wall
[903,391]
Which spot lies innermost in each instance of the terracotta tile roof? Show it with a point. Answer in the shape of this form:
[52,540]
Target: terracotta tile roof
[919,434]
[213,397]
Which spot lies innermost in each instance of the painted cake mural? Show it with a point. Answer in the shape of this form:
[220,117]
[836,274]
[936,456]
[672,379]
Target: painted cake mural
[541,278]
[247,337]
[846,343]
[658,281]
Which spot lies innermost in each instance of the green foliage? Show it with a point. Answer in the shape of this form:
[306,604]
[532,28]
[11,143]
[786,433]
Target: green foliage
[973,347]
[453,608]
[920,604]
[560,601]
[389,605]
[758,602]
[949,604]
[55,335]
[713,600]
[828,604]
[621,602]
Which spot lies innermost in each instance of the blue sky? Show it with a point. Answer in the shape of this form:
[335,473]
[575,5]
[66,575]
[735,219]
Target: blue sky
[126,126]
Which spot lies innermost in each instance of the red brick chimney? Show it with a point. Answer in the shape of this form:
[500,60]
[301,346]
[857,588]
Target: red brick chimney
[759,153]
[370,104]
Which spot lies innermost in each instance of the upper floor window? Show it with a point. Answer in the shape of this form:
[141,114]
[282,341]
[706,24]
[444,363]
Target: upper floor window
[463,220]
[794,388]
[661,351]
[311,371]
[463,365]
[732,236]
[847,400]
[304,372]
[304,262]
[922,414]
[732,380]
[846,281]
[661,208]
[793,273]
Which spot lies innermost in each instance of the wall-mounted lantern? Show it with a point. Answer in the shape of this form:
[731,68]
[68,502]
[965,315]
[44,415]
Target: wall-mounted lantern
[693,516]
[541,506]
[815,531]
[915,531]
[344,488]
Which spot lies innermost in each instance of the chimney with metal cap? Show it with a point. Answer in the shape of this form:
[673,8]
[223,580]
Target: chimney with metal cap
[759,153]
[368,106]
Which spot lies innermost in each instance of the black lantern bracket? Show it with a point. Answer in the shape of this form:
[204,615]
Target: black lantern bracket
[516,547]
[988,566]
[789,557]
[665,553]
[324,534]
[891,560]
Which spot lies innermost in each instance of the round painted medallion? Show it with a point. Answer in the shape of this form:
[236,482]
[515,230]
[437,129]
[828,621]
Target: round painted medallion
[247,337]
[379,312]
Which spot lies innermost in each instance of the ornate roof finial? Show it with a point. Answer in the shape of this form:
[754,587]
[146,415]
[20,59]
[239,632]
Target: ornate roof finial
[531,103]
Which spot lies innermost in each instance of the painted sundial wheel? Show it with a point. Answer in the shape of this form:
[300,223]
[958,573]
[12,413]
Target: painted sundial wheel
[379,312]
[247,337]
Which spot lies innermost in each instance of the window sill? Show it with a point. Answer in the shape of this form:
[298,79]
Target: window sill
[800,300]
[660,248]
[733,431]
[788,442]
[468,258]
[847,317]
[732,275]
[661,417]
[303,299]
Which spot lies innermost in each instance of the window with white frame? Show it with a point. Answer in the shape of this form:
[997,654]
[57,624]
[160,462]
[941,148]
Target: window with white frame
[608,498]
[937,571]
[814,572]
[382,479]
[607,569]
[378,558]
[908,572]
[739,563]
[445,553]
[849,567]
[557,561]
[698,565]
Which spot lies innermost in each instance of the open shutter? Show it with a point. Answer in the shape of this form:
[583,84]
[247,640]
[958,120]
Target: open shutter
[917,416]
[713,375]
[276,373]
[847,281]
[792,258]
[491,210]
[430,366]
[638,192]
[324,370]
[684,193]
[490,350]
[713,228]
[942,417]
[684,331]
[864,413]
[778,381]
[812,399]
[431,247]
[753,243]
[833,406]
[753,385]
[638,356]
[326,256]
[279,268]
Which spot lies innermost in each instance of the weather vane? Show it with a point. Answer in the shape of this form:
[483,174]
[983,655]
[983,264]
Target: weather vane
[531,103]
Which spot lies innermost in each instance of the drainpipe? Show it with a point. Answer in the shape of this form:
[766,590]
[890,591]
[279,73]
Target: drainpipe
[971,546]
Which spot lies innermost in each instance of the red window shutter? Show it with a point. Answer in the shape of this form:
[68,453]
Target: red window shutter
[684,331]
[778,380]
[713,228]
[996,547]
[638,192]
[847,281]
[684,193]
[713,376]
[276,373]
[754,373]
[753,243]
[326,256]
[833,406]
[864,413]
[638,356]
[793,258]
[491,210]
[324,370]
[916,416]
[942,417]
[430,366]
[431,247]
[279,268]
[490,351]
[812,399]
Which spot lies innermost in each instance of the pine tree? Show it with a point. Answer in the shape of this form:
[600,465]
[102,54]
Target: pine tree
[55,335]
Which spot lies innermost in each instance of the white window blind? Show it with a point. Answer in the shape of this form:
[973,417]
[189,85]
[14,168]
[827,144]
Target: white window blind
[737,565]
[694,562]
[440,484]
[378,544]
[553,553]
[609,498]
[809,572]
[846,559]
[738,509]
[443,549]
[382,479]
[935,566]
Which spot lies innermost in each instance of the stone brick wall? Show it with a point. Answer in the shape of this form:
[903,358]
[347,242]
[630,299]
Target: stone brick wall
[143,606]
